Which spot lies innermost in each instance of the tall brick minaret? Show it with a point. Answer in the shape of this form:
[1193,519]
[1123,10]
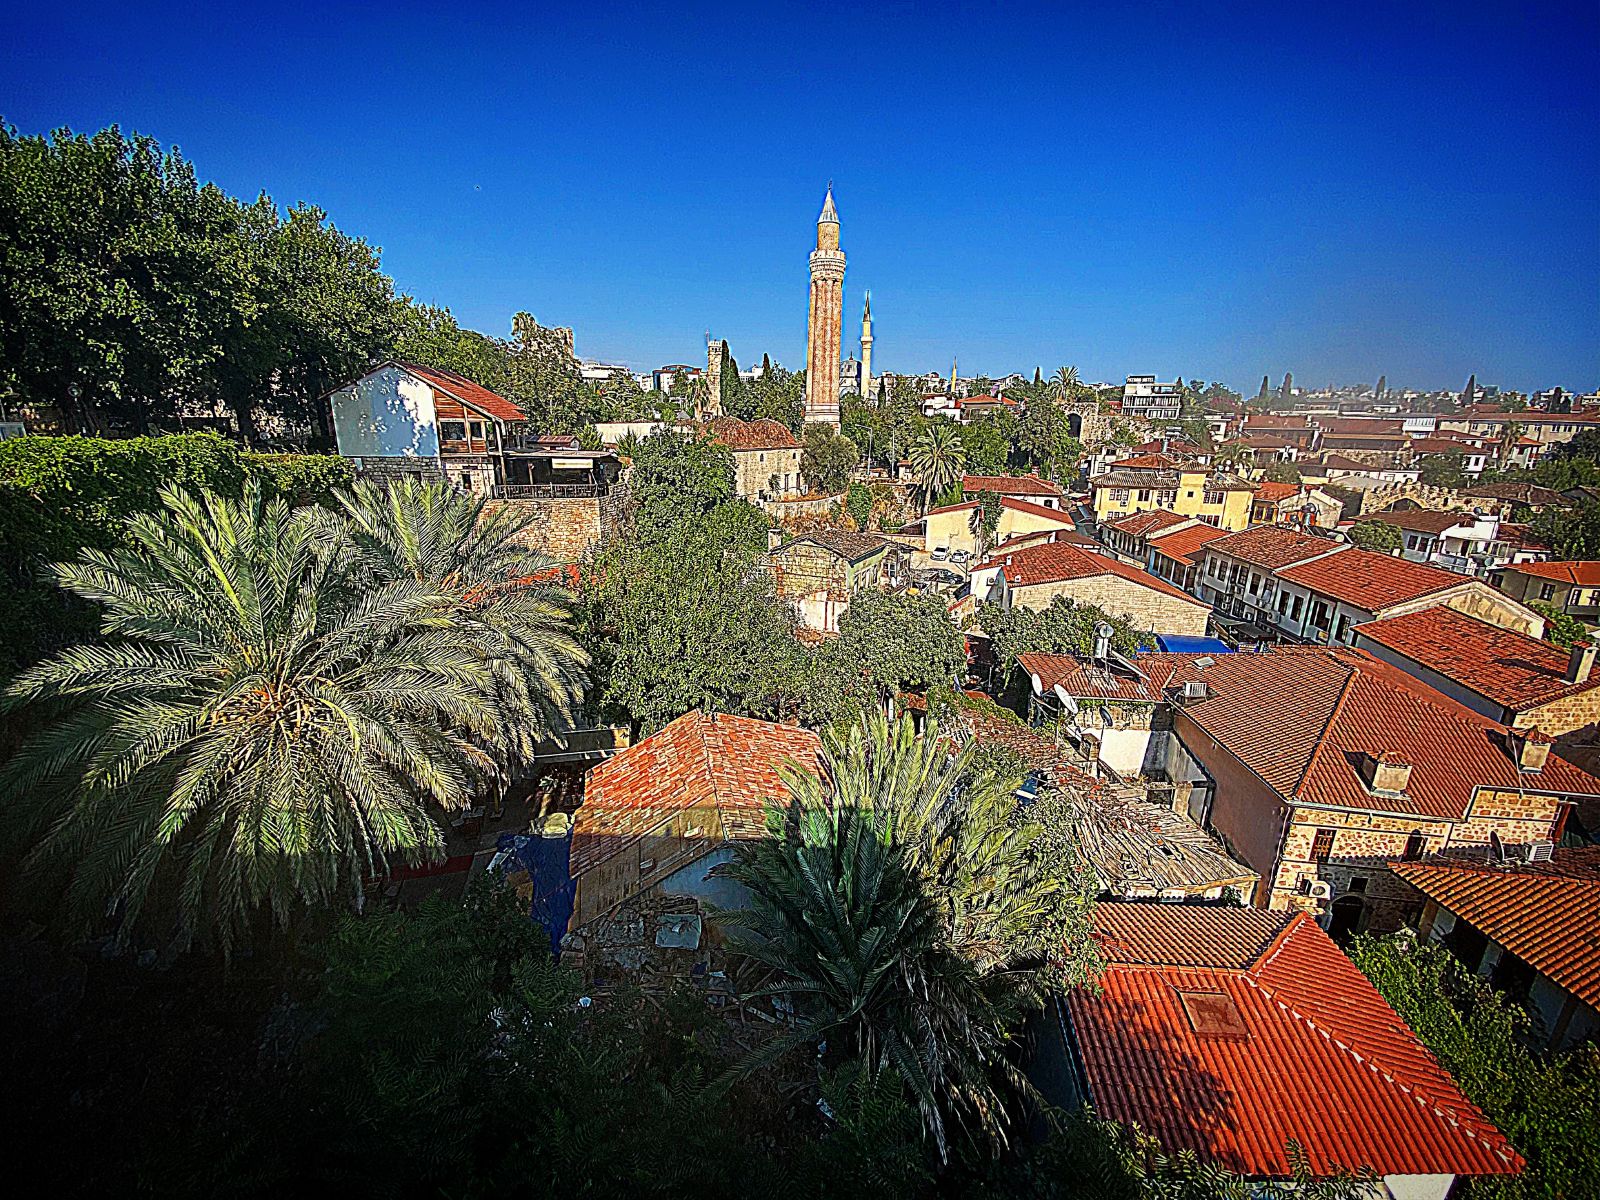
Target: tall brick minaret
[827,318]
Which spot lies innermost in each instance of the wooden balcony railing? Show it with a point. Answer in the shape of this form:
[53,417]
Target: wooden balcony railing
[549,491]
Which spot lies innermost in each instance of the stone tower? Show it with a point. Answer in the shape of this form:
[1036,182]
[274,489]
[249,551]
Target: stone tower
[827,318]
[866,350]
[713,402]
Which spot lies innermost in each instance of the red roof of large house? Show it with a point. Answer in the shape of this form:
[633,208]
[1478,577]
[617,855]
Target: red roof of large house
[1273,491]
[1232,1032]
[1377,426]
[1181,545]
[1547,914]
[1273,546]
[1166,446]
[463,389]
[1010,485]
[1082,679]
[1038,510]
[1583,574]
[957,507]
[1370,580]
[1510,668]
[1302,719]
[1141,524]
[761,434]
[700,761]
[1276,421]
[1055,562]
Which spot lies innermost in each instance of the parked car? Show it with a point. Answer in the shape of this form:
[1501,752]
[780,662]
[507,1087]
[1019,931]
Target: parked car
[960,557]
[940,553]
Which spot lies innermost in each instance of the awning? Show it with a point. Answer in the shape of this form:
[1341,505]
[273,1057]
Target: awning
[1180,643]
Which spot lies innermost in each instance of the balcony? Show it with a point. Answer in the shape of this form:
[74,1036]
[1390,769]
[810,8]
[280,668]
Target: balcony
[549,491]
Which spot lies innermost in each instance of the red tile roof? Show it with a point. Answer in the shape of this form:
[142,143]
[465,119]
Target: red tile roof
[699,761]
[1276,421]
[1086,680]
[1181,545]
[761,434]
[963,505]
[1419,520]
[1547,914]
[1170,446]
[1152,462]
[1232,1032]
[1329,707]
[1583,574]
[1272,490]
[1140,524]
[1512,669]
[1273,546]
[1055,562]
[1369,580]
[1037,510]
[1010,485]
[1340,462]
[463,389]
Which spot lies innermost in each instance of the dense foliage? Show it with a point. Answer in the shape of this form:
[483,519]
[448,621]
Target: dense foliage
[280,706]
[1375,535]
[1548,1104]
[908,913]
[1062,628]
[1571,534]
[61,496]
[827,460]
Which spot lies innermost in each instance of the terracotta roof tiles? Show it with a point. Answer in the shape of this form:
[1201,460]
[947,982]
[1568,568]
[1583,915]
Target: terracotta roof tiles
[1583,574]
[1010,485]
[700,761]
[1232,1032]
[1273,546]
[1371,581]
[465,390]
[1512,669]
[761,434]
[1547,914]
[1054,562]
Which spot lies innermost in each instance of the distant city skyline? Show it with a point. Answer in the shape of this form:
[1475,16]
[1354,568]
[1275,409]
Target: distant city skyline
[1222,193]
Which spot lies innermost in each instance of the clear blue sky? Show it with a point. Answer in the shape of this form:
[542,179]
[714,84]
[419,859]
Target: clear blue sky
[1221,192]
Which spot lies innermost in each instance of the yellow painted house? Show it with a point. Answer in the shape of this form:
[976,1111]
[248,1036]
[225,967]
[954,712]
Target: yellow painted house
[953,526]
[1217,499]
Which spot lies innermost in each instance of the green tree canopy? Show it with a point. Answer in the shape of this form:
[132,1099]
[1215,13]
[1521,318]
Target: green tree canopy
[1062,628]
[892,641]
[1376,535]
[828,459]
[1572,535]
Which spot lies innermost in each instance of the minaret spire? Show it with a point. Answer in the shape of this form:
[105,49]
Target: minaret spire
[823,333]
[866,349]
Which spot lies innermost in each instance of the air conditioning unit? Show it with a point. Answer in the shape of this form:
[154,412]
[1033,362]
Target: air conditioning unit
[1539,852]
[1195,689]
[1317,889]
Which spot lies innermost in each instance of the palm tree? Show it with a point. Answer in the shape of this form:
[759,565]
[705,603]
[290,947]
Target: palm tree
[505,600]
[1064,385]
[938,458]
[269,721]
[903,907]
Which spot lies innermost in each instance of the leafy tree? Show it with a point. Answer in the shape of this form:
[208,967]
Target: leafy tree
[1376,535]
[1281,472]
[1585,444]
[1546,1104]
[986,521]
[273,722]
[828,459]
[777,395]
[1561,628]
[858,504]
[1062,628]
[891,642]
[1065,386]
[988,441]
[1045,436]
[939,458]
[1442,470]
[907,913]
[1572,535]
[679,614]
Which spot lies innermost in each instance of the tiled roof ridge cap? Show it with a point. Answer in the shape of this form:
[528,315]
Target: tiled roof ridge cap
[1322,735]
[1371,1064]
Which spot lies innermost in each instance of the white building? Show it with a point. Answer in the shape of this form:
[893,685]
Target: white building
[1143,397]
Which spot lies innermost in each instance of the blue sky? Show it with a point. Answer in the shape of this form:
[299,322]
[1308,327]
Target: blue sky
[1206,190]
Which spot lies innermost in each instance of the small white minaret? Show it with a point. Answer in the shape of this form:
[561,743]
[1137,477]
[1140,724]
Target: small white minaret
[866,350]
[952,377]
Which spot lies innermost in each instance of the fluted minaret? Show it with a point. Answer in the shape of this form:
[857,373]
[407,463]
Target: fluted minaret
[827,319]
[866,350]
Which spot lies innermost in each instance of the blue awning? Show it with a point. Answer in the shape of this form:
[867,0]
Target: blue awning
[1178,643]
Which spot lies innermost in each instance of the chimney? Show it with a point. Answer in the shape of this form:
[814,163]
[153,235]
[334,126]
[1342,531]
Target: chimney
[1581,662]
[1386,771]
[1531,749]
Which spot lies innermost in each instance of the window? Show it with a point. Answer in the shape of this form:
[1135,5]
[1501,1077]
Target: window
[1319,614]
[1144,494]
[1415,845]
[1212,497]
[1322,845]
[1117,495]
[1357,884]
[1299,607]
[453,431]
[1546,590]
[480,429]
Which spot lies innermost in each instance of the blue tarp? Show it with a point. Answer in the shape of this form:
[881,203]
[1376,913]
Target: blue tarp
[545,860]
[1179,643]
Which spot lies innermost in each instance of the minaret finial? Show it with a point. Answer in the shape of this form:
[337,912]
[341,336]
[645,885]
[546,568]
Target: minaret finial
[830,214]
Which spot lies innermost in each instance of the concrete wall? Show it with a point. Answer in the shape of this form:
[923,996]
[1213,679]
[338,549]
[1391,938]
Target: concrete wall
[387,414]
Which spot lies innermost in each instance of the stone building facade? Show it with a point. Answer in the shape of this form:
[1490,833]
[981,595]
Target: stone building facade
[824,331]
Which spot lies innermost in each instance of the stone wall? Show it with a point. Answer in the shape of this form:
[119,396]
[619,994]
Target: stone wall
[1434,499]
[560,529]
[393,470]
[1145,607]
[1569,715]
[753,471]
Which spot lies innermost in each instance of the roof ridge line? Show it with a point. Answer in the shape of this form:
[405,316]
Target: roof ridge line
[1371,1063]
[1322,735]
